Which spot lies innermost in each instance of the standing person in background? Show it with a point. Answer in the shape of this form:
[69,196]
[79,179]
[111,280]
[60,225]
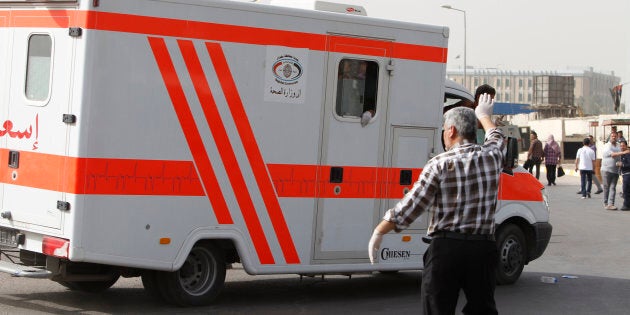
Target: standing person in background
[610,171]
[595,179]
[624,170]
[584,161]
[612,129]
[620,136]
[552,158]
[535,153]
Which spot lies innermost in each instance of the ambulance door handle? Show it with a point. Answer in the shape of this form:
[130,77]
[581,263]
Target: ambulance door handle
[14,159]
[405,177]
[336,174]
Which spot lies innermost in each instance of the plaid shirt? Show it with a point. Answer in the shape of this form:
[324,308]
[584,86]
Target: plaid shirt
[458,187]
[551,156]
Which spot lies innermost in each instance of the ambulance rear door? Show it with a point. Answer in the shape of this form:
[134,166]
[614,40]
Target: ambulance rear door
[35,128]
[5,45]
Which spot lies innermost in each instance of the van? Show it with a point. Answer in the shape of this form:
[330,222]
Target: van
[169,139]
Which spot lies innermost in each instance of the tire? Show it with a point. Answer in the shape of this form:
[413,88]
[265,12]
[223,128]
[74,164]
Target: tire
[512,250]
[149,283]
[198,281]
[90,286]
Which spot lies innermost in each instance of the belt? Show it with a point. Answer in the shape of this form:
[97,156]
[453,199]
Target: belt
[462,236]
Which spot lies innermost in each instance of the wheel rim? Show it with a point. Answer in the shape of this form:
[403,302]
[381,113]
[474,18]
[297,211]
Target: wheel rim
[199,272]
[511,256]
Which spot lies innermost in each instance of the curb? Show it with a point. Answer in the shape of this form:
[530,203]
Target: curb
[569,170]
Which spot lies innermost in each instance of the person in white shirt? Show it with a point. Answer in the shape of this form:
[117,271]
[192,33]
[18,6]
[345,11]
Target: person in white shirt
[584,161]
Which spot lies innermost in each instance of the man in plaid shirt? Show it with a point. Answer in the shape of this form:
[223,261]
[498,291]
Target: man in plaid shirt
[459,189]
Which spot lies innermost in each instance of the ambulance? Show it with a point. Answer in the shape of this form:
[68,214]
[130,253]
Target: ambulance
[168,140]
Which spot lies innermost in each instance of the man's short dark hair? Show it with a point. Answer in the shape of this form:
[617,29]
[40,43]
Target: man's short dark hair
[485,88]
[587,141]
[534,133]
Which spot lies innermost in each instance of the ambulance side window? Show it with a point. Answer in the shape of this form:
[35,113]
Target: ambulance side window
[357,87]
[38,67]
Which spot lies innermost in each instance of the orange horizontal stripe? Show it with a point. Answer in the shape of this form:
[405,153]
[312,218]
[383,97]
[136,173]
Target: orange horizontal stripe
[310,181]
[159,26]
[101,176]
[179,178]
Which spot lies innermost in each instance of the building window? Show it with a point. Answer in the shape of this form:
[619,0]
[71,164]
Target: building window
[507,82]
[498,82]
[507,96]
[38,67]
[529,97]
[520,97]
[476,81]
[357,87]
[529,83]
[520,82]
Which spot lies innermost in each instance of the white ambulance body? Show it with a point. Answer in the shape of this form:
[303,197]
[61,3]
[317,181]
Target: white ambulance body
[169,139]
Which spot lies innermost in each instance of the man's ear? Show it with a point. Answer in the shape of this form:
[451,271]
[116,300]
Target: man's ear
[451,132]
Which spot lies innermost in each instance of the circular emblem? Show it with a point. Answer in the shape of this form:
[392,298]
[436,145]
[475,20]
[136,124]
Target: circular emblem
[287,69]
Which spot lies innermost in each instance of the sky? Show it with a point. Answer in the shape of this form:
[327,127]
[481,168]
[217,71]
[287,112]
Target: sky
[525,35]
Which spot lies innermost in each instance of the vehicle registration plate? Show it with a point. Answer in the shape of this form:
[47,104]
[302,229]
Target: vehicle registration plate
[8,237]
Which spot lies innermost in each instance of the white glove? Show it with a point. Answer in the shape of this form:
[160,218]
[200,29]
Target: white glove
[365,118]
[484,106]
[375,244]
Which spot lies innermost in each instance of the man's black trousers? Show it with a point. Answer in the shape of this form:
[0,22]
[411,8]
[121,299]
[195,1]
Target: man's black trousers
[451,265]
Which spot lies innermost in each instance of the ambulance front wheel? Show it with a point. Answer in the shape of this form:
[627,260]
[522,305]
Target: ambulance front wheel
[512,250]
[198,281]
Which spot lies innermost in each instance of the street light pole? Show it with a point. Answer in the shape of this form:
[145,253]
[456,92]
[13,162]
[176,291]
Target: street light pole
[446,6]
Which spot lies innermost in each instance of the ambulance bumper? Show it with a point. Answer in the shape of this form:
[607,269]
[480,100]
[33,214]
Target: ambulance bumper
[17,270]
[542,232]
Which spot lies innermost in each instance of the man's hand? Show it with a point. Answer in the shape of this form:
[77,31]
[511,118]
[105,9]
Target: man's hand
[484,106]
[375,244]
[366,117]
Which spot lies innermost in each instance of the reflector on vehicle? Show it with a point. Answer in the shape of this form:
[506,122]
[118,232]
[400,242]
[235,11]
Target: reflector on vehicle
[57,247]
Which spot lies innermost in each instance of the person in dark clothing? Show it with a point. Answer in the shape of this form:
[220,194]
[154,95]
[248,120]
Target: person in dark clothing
[535,153]
[624,170]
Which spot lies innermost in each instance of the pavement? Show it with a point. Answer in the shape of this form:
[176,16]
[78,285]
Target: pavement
[569,170]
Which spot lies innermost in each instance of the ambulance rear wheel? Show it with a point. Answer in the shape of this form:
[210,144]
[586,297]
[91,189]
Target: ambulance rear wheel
[512,250]
[198,281]
[90,286]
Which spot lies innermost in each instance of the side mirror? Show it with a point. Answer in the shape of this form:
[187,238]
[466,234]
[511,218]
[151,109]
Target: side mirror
[510,160]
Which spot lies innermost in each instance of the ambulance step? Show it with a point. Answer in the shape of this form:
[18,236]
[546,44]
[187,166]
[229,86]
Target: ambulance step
[23,271]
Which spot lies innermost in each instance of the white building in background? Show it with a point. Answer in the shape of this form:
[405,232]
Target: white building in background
[591,91]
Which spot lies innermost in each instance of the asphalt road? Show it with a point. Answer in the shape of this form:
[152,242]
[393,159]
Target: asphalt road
[589,244]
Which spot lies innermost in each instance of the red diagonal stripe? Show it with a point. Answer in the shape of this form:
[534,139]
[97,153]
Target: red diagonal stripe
[187,121]
[226,151]
[253,153]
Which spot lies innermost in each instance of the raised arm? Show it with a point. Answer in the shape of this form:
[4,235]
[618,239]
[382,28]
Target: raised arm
[484,111]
